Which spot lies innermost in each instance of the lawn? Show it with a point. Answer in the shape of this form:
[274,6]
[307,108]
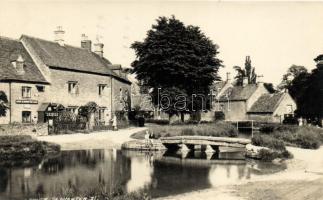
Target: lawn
[216,129]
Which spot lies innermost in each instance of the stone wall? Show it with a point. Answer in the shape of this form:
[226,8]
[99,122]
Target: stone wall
[18,103]
[24,129]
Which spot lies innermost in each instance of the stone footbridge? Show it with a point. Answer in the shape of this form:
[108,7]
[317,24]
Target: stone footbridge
[205,143]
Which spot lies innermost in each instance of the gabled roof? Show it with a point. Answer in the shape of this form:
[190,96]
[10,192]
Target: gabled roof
[70,58]
[267,103]
[238,93]
[217,86]
[10,50]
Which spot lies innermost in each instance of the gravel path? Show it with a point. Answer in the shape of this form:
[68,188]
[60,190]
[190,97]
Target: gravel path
[95,140]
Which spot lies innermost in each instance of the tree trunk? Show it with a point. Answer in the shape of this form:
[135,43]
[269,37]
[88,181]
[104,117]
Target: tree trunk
[182,117]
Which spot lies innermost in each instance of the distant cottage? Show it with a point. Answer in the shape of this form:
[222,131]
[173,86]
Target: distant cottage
[251,102]
[37,74]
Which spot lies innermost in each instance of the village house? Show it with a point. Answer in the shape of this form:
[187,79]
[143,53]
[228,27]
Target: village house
[37,74]
[251,102]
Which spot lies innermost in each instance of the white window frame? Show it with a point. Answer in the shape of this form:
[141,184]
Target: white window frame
[26,92]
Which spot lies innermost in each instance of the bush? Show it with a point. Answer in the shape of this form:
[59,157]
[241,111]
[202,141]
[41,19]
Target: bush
[158,121]
[304,137]
[24,147]
[269,155]
[219,129]
[307,140]
[141,121]
[268,141]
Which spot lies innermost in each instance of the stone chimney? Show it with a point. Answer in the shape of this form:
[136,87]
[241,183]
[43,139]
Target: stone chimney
[86,43]
[245,81]
[59,35]
[98,49]
[20,62]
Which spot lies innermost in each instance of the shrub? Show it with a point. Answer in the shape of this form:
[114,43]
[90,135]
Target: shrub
[268,141]
[304,137]
[219,129]
[307,140]
[24,147]
[267,155]
[158,121]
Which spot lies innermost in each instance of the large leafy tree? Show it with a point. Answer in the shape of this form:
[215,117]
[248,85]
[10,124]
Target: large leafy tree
[292,73]
[176,58]
[3,104]
[311,104]
[296,82]
[247,72]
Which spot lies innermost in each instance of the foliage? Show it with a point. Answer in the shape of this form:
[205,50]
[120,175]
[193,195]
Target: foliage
[87,109]
[99,191]
[270,87]
[218,129]
[248,72]
[269,155]
[292,72]
[23,147]
[267,141]
[178,59]
[219,115]
[158,121]
[305,137]
[311,105]
[306,89]
[3,104]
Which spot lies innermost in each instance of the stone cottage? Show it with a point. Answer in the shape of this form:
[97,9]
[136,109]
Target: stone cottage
[251,102]
[55,73]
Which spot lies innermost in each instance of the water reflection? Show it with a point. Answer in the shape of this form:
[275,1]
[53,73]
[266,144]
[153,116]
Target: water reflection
[160,174]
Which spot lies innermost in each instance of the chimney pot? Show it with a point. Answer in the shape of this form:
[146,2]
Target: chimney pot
[86,43]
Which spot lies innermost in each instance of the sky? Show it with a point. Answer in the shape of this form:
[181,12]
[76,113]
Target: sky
[274,34]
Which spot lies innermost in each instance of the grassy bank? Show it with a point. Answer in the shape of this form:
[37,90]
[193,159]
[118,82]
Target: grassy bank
[17,149]
[216,129]
[277,148]
[304,137]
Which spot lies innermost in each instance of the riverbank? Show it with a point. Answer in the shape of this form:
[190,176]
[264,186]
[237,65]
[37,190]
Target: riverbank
[303,179]
[94,140]
[23,150]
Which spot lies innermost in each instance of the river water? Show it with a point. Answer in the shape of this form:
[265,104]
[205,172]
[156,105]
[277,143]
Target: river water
[159,174]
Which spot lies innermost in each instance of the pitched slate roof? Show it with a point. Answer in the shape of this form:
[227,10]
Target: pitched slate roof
[238,93]
[10,50]
[70,57]
[267,103]
[217,86]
